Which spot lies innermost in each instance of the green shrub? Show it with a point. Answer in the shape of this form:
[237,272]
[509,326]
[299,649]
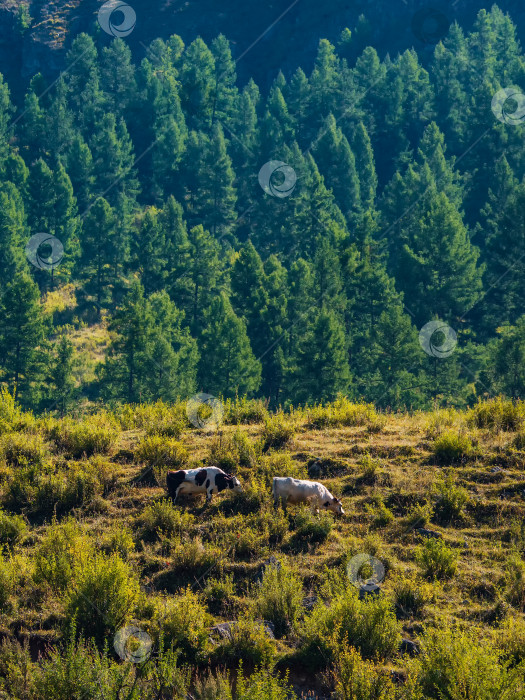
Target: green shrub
[12,418]
[161,517]
[515,576]
[357,679]
[279,463]
[218,593]
[62,553]
[452,447]
[240,411]
[312,529]
[263,685]
[155,418]
[498,414]
[182,621]
[519,441]
[248,641]
[511,639]
[370,625]
[441,419]
[104,596]
[228,451]
[20,449]
[7,581]
[420,515]
[119,539]
[158,450]
[411,597]
[94,435]
[213,686]
[380,513]
[341,413]
[278,431]
[456,664]
[279,598]
[12,529]
[192,556]
[450,498]
[437,560]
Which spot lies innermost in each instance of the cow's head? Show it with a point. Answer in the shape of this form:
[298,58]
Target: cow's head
[335,506]
[234,483]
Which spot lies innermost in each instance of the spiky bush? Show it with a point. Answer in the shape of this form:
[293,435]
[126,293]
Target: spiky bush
[437,559]
[279,597]
[452,447]
[341,413]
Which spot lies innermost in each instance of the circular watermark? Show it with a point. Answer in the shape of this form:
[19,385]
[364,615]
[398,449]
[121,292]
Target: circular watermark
[508,106]
[277,179]
[438,339]
[117,18]
[44,251]
[430,25]
[205,411]
[365,562]
[132,644]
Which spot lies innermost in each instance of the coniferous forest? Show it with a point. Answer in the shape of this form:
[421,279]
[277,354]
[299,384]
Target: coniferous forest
[165,229]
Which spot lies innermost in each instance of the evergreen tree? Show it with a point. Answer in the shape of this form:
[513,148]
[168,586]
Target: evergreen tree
[227,365]
[321,365]
[22,333]
[61,384]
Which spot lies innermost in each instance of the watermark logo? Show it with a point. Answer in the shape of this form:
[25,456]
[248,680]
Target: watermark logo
[132,644]
[430,25]
[205,411]
[277,179]
[117,18]
[44,251]
[365,570]
[438,339]
[508,106]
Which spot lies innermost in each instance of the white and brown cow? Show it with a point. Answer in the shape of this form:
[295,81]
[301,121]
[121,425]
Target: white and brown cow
[288,490]
[208,480]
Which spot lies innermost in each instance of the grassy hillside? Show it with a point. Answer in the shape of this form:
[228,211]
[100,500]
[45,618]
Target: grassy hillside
[91,545]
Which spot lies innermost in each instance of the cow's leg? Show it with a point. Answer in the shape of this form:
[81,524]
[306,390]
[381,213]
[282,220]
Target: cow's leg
[209,494]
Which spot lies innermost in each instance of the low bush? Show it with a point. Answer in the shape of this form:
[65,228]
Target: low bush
[450,498]
[380,513]
[498,414]
[420,515]
[452,447]
[12,529]
[441,420]
[515,578]
[118,539]
[312,529]
[511,639]
[456,664]
[12,418]
[104,596]
[519,441]
[64,550]
[247,641]
[263,685]
[159,450]
[157,418]
[213,686]
[437,559]
[7,581]
[21,449]
[192,556]
[279,430]
[241,411]
[182,622]
[162,517]
[218,593]
[278,598]
[341,413]
[370,625]
[411,597]
[231,450]
[357,679]
[94,435]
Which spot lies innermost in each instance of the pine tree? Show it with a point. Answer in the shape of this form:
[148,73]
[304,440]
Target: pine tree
[197,76]
[22,332]
[227,365]
[321,364]
[204,275]
[149,252]
[99,251]
[61,380]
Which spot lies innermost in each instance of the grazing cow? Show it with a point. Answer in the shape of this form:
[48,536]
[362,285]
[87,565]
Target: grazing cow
[286,489]
[208,480]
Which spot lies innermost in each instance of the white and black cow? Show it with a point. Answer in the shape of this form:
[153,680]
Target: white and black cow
[288,490]
[208,480]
